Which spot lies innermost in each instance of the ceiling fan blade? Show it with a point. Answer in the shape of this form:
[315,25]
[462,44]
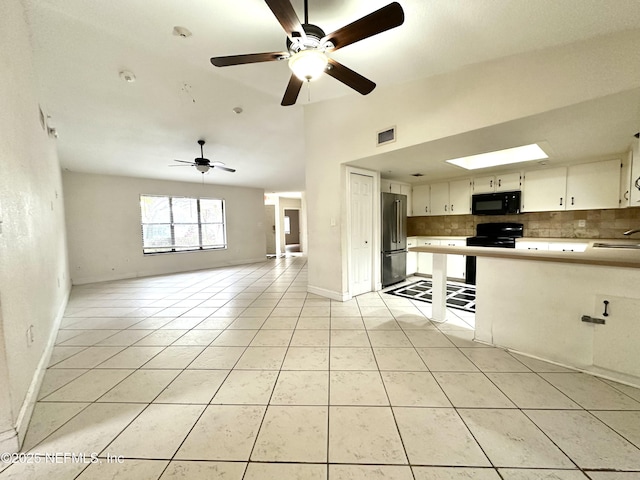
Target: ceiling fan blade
[350,78]
[286,15]
[379,21]
[248,58]
[183,161]
[224,168]
[292,91]
[190,165]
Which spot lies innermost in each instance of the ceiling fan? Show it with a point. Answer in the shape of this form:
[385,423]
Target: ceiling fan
[203,165]
[308,45]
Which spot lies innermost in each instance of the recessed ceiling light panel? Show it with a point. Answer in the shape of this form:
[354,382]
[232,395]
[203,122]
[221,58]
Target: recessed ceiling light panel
[508,156]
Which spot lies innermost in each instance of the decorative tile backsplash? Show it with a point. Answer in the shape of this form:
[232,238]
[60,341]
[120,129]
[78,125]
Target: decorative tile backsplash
[609,223]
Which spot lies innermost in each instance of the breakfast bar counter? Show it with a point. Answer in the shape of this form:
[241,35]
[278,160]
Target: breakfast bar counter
[577,309]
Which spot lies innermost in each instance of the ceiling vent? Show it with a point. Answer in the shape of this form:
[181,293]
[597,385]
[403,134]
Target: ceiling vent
[417,175]
[386,136]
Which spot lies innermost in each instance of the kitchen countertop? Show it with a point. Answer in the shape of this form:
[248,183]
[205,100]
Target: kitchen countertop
[612,257]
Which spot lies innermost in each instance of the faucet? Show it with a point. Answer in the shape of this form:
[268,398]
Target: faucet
[631,232]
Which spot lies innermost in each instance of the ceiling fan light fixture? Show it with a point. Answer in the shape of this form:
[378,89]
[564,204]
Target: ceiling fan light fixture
[202,168]
[308,64]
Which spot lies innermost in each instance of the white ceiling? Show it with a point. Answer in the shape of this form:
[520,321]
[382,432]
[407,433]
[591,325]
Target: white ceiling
[108,126]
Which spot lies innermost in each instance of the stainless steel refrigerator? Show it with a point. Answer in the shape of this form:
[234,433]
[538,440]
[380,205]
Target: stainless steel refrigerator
[394,238]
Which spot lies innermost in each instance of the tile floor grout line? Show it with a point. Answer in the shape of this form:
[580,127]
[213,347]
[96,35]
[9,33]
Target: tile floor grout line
[393,414]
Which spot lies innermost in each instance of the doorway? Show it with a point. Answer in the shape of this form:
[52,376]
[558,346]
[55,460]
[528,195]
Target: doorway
[291,230]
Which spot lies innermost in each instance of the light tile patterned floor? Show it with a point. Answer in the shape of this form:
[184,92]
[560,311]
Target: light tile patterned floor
[238,374]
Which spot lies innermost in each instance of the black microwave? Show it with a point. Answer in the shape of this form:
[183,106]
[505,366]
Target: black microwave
[499,203]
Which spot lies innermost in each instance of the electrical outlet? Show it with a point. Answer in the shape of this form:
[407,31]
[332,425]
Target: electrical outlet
[582,223]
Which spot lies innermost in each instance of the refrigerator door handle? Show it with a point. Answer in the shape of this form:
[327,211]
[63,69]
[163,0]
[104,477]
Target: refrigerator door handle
[398,227]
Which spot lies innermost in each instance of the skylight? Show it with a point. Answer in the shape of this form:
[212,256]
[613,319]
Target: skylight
[524,153]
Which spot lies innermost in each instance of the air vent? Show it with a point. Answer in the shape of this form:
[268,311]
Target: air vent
[417,175]
[386,136]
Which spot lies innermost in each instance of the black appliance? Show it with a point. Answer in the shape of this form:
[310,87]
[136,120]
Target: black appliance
[499,235]
[499,203]
[394,238]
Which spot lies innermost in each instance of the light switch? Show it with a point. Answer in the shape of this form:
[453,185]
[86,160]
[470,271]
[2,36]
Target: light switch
[333,222]
[582,223]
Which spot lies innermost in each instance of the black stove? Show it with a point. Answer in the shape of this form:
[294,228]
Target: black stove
[497,235]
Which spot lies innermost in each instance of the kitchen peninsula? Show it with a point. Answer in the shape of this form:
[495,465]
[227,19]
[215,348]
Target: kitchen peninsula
[536,302]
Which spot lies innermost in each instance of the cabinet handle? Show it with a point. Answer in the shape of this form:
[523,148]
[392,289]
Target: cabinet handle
[571,200]
[560,200]
[499,182]
[426,209]
[445,208]
[491,183]
[606,305]
[452,207]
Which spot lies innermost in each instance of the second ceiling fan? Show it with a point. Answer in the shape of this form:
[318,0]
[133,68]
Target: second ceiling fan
[308,45]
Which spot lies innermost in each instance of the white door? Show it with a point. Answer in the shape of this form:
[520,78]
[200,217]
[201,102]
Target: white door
[361,234]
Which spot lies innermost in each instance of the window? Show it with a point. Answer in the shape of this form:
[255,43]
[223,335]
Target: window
[180,224]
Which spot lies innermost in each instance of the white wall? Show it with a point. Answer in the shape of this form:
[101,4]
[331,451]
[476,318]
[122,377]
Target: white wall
[34,276]
[104,232]
[478,96]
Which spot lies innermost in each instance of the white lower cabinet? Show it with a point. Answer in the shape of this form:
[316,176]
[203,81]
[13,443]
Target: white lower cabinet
[425,260]
[412,257]
[532,245]
[456,264]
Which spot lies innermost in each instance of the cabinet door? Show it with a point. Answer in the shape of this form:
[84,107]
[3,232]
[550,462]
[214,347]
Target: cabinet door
[406,190]
[544,190]
[440,199]
[425,259]
[484,184]
[420,202]
[634,201]
[460,197]
[456,264]
[593,185]
[412,257]
[508,182]
[385,185]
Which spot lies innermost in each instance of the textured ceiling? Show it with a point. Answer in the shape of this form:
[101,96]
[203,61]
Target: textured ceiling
[108,126]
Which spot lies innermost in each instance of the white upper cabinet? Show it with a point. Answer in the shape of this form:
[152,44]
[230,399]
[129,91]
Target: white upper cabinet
[594,185]
[484,184]
[508,182]
[385,185]
[460,197]
[421,195]
[544,190]
[634,200]
[440,198]
[407,190]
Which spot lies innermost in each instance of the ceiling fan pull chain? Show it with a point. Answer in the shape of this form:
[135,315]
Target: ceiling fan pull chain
[309,91]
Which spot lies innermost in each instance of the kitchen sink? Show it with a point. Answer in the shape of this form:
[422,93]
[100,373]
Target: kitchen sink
[617,245]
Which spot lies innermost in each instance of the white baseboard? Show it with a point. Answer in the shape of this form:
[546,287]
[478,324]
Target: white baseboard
[332,294]
[109,277]
[24,416]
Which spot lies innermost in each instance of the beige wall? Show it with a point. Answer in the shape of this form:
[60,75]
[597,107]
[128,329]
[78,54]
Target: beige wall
[105,239]
[34,277]
[481,95]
